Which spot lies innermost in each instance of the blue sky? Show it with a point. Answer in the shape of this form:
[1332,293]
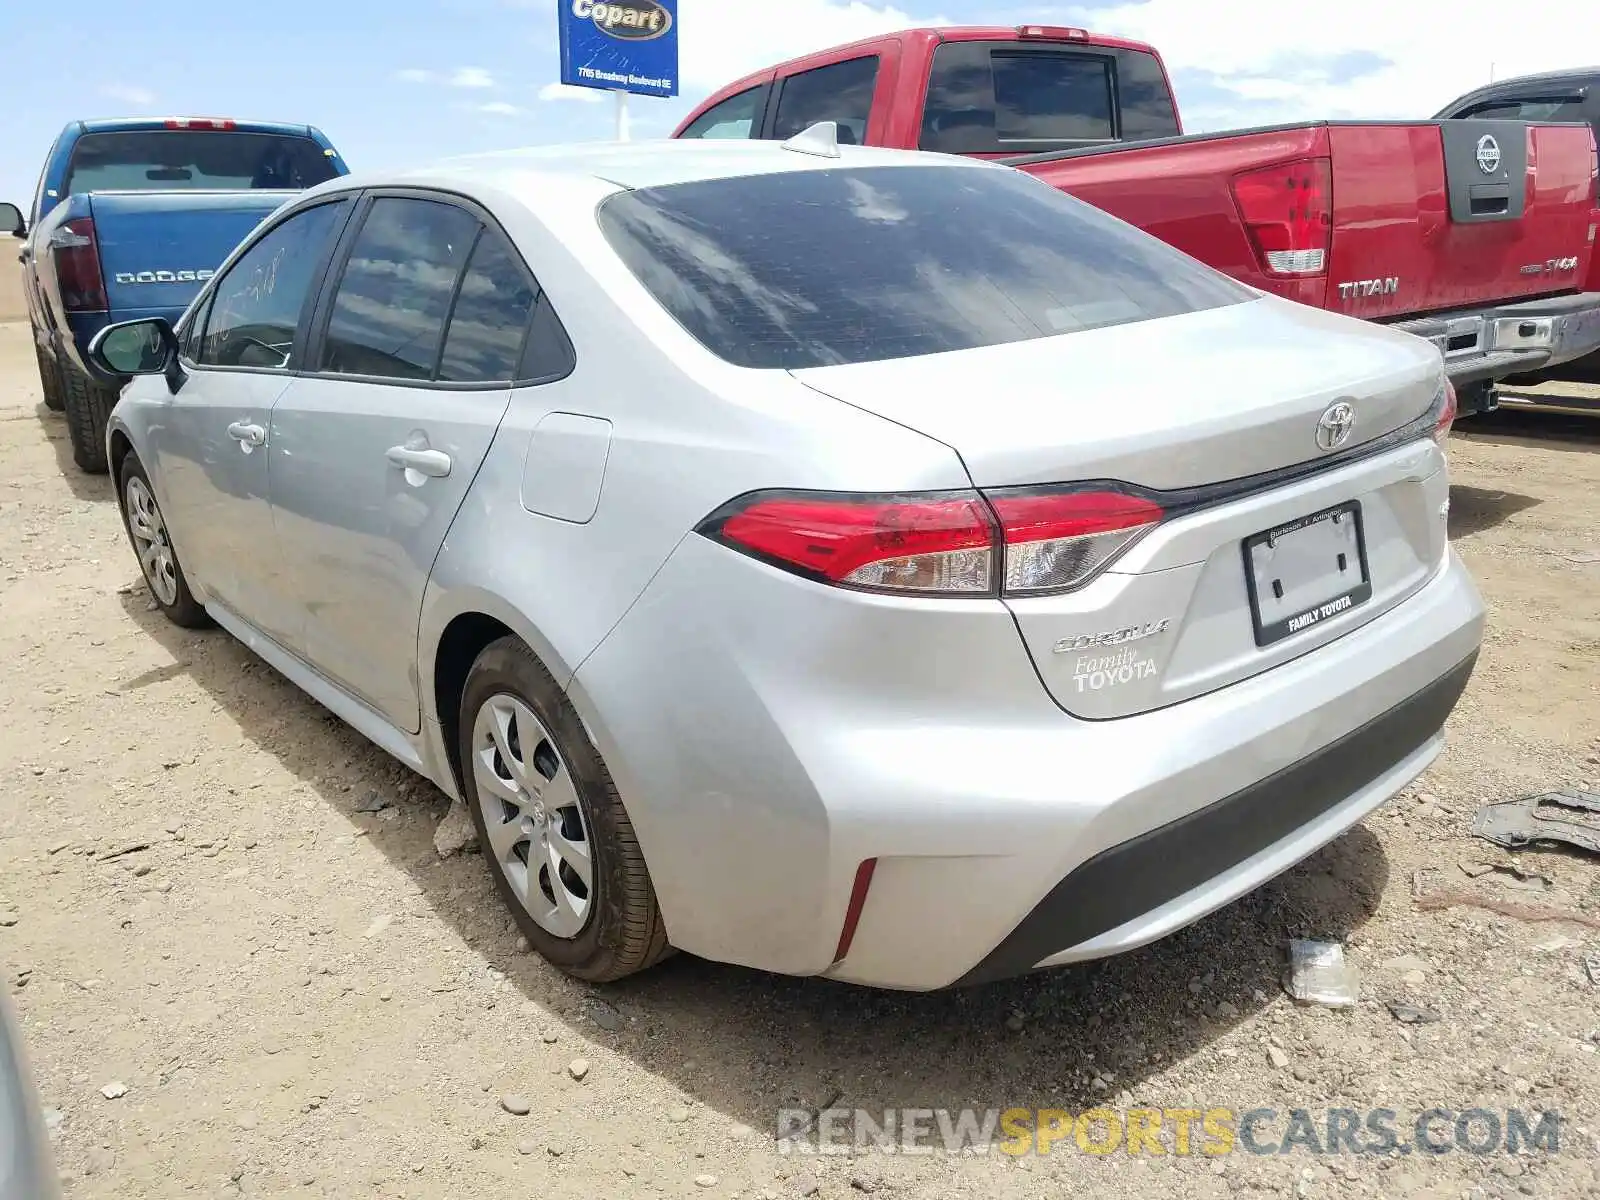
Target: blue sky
[413,80]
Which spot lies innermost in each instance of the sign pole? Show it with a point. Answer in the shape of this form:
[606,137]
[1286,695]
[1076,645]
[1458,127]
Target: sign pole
[622,114]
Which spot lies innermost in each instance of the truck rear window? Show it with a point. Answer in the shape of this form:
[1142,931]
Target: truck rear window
[178,160]
[1010,98]
[814,268]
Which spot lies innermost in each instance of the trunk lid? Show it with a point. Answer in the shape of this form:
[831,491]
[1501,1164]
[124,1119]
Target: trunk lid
[1194,407]
[158,248]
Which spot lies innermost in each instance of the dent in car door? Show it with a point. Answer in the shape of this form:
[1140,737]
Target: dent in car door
[208,443]
[373,455]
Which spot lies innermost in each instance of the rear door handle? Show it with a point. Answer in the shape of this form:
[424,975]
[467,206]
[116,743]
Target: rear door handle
[434,463]
[250,435]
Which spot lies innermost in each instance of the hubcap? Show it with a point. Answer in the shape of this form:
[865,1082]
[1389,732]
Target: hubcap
[150,542]
[538,836]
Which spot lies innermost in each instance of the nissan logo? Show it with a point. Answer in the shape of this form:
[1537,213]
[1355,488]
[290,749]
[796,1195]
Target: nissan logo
[1488,154]
[1333,430]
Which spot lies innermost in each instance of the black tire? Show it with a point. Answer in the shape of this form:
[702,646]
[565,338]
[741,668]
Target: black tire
[50,380]
[184,610]
[623,932]
[88,408]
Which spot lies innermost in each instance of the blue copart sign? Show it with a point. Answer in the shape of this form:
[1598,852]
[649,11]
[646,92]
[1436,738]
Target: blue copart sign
[620,45]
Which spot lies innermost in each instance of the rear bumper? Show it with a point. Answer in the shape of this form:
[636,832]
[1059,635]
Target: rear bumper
[1144,887]
[1482,345]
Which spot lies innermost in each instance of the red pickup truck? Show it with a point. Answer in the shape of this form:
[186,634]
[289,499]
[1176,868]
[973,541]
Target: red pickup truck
[1476,234]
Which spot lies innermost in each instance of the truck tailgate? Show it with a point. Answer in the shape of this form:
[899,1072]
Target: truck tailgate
[157,248]
[1417,225]
[1421,225]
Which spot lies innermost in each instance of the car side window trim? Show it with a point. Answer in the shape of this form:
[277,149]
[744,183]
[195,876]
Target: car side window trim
[204,303]
[333,275]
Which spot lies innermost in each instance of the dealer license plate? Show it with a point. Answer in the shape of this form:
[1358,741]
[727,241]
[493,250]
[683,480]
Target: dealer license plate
[1307,572]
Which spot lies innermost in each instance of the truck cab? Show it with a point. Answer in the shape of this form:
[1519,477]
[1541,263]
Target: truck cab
[129,218]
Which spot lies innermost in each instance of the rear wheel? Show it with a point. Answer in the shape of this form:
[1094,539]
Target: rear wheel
[152,545]
[49,379]
[88,408]
[560,844]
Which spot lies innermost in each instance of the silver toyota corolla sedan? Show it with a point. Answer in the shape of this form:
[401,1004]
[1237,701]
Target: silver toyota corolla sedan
[837,561]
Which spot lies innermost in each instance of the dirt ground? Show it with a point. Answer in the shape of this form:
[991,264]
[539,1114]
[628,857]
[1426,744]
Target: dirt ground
[301,998]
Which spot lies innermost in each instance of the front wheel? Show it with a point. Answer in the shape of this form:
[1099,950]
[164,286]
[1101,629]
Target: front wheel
[559,842]
[152,545]
[88,408]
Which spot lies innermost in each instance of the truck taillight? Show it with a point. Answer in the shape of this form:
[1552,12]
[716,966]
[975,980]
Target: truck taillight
[1288,210]
[77,260]
[1011,541]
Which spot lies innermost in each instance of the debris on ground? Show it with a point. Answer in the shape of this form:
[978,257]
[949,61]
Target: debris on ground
[375,802]
[1318,974]
[1411,1014]
[1512,876]
[456,832]
[1543,817]
[115,1090]
[1591,967]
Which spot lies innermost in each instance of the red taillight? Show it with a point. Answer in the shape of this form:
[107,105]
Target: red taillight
[77,258]
[939,544]
[1010,541]
[219,123]
[1056,540]
[1447,414]
[852,912]
[1288,210]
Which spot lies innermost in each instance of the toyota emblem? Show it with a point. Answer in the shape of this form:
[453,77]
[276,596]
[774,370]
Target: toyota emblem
[1488,154]
[1333,430]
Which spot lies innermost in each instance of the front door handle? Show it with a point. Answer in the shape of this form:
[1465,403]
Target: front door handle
[434,463]
[250,435]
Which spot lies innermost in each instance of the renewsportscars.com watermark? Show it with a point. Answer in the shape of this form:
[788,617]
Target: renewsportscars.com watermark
[1168,1131]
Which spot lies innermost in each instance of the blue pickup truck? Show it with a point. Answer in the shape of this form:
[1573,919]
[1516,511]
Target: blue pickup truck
[129,220]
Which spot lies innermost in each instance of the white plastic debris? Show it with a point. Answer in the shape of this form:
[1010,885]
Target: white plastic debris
[1318,974]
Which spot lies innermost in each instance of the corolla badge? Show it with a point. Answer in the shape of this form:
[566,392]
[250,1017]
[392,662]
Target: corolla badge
[1333,429]
[629,20]
[1488,154]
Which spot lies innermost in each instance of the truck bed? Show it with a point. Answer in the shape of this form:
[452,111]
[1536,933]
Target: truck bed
[1399,246]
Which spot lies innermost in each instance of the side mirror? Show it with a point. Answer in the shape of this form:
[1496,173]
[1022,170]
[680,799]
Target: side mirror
[12,221]
[144,347]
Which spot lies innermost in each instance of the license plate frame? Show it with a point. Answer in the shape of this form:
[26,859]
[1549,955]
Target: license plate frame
[1289,616]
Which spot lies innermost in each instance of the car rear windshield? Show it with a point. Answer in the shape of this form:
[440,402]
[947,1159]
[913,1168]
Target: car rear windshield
[175,160]
[814,268]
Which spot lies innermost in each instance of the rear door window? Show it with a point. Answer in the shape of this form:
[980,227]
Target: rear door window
[391,304]
[1008,98]
[490,318]
[814,268]
[186,160]
[736,117]
[839,92]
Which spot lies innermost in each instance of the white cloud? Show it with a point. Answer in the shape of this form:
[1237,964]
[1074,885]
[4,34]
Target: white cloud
[461,77]
[499,108]
[1309,63]
[560,91]
[138,96]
